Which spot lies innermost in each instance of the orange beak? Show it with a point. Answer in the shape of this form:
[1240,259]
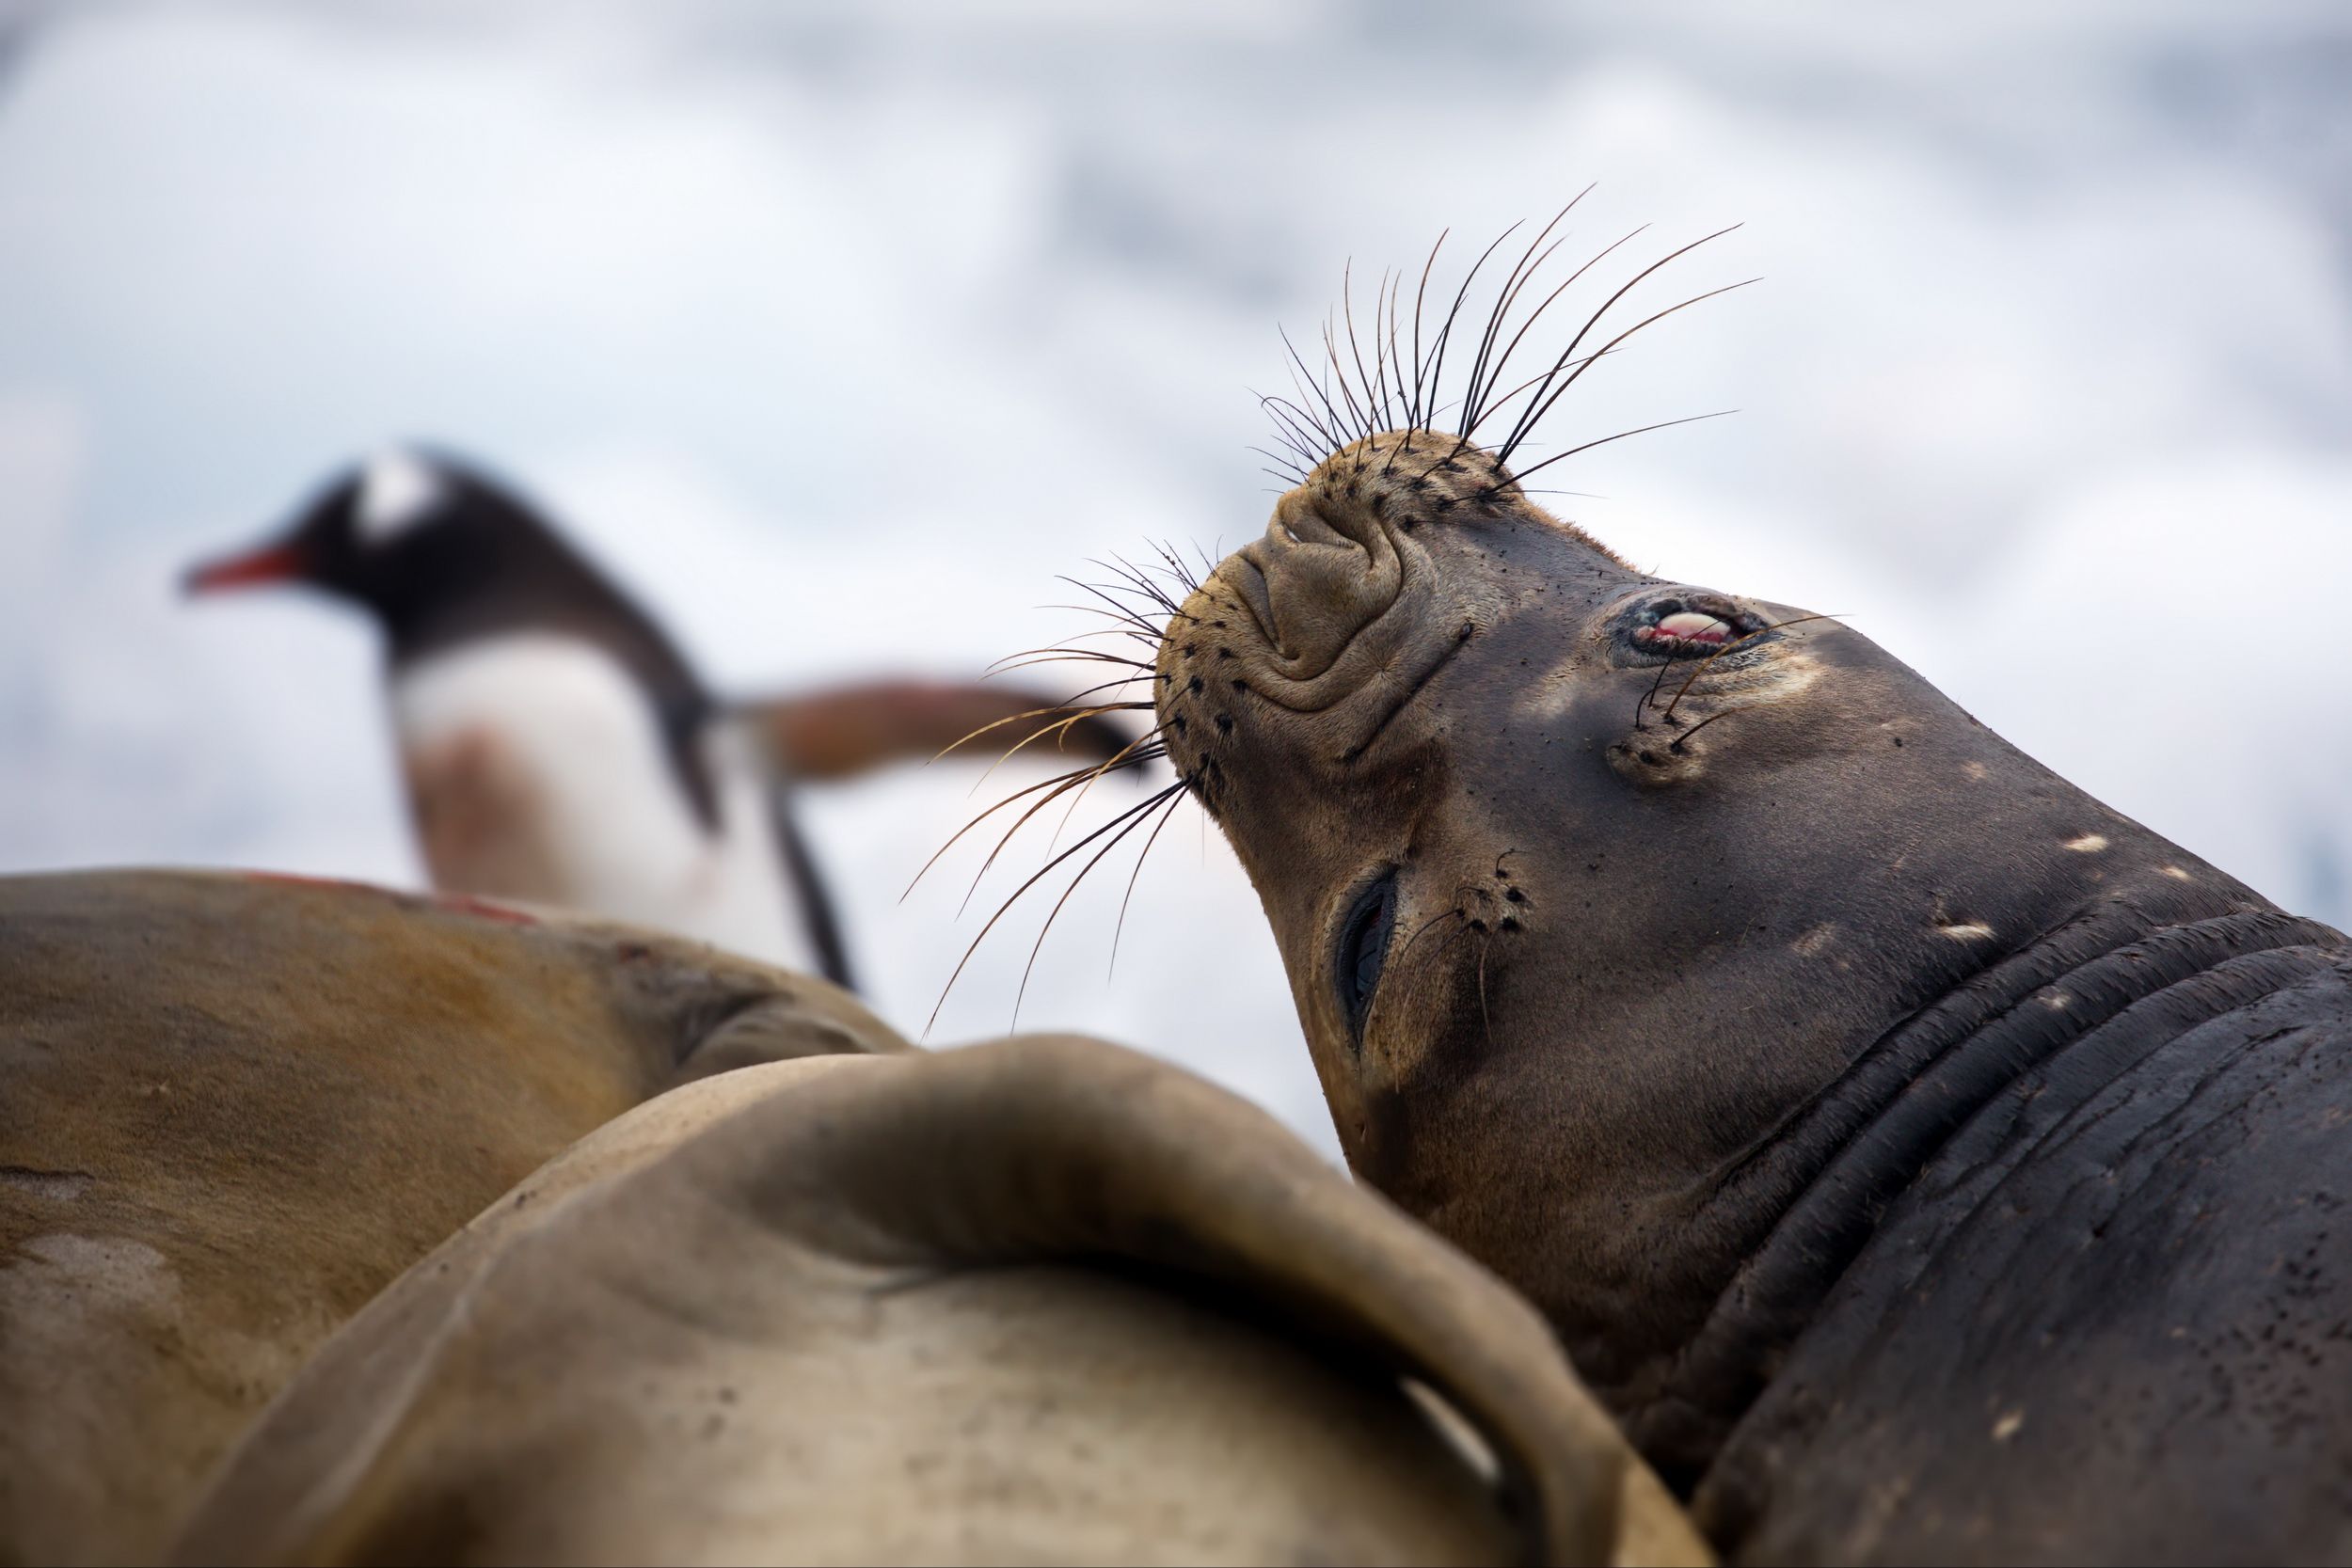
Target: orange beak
[270,564]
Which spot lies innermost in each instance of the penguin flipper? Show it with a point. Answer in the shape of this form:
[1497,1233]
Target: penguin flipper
[838,732]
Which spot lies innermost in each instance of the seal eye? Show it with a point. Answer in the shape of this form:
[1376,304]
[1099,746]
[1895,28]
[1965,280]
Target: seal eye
[1362,951]
[1692,625]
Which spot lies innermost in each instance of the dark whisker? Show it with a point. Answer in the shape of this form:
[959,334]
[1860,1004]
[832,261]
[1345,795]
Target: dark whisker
[1414,419]
[1122,818]
[1077,779]
[1527,421]
[1120,929]
[1637,430]
[1529,264]
[1695,729]
[1332,424]
[1436,374]
[1535,315]
[1736,643]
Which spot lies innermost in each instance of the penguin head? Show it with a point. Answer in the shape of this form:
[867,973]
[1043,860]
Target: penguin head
[404,536]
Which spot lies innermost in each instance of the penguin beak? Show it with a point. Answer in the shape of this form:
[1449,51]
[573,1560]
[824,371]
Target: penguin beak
[270,564]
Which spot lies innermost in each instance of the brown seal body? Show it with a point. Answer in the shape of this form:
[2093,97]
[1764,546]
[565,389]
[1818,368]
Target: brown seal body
[1925,1161]
[1040,1300]
[233,1108]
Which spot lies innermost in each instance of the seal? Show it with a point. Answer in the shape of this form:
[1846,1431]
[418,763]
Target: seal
[1925,1161]
[234,1107]
[1038,1298]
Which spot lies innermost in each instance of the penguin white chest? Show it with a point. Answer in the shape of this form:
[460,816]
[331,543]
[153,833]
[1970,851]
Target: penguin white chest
[536,769]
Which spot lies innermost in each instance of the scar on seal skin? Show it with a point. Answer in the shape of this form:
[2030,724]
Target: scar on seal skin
[1924,1160]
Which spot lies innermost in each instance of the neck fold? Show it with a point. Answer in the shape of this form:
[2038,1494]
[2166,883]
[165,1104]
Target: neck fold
[2024,1023]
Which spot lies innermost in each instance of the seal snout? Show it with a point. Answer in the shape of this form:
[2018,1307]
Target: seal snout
[1320,575]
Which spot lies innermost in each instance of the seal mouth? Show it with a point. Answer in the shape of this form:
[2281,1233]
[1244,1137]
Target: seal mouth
[1687,626]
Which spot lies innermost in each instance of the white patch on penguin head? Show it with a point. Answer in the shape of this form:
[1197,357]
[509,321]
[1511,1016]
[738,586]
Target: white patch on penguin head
[397,491]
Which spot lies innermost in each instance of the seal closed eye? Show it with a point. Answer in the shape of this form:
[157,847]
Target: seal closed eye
[1362,952]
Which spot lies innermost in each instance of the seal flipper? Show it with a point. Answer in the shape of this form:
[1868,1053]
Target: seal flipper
[1051,1148]
[899,1232]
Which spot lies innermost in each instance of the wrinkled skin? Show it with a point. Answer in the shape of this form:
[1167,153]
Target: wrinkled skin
[233,1108]
[1773,1023]
[1040,1300]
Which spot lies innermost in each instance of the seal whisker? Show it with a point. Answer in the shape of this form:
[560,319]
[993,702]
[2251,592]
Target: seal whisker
[1738,642]
[1138,623]
[1528,265]
[1299,450]
[1176,567]
[1504,400]
[1070,651]
[1528,420]
[1072,656]
[1077,779]
[1304,380]
[1374,407]
[1292,420]
[1114,683]
[1083,656]
[1136,752]
[1122,611]
[1063,826]
[1414,413]
[1540,405]
[1527,325]
[1124,626]
[1119,928]
[1054,914]
[1135,579]
[1457,912]
[1359,422]
[1651,696]
[1396,362]
[1076,714]
[954,838]
[1122,818]
[1436,374]
[1677,747]
[1485,371]
[1638,430]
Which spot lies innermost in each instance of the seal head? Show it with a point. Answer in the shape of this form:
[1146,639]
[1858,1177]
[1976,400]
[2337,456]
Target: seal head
[1653,941]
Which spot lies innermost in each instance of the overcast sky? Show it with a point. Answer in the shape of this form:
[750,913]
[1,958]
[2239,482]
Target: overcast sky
[841,331]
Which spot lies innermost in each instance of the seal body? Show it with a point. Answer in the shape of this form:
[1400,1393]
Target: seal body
[1927,1161]
[233,1108]
[1037,1300]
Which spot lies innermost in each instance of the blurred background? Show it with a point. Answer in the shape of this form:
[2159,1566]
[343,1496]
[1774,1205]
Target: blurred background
[838,331]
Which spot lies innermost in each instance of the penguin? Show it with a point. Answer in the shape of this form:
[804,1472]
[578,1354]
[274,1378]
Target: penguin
[556,745]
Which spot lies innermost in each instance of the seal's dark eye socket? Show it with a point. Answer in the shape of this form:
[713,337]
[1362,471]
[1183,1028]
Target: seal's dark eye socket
[1362,951]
